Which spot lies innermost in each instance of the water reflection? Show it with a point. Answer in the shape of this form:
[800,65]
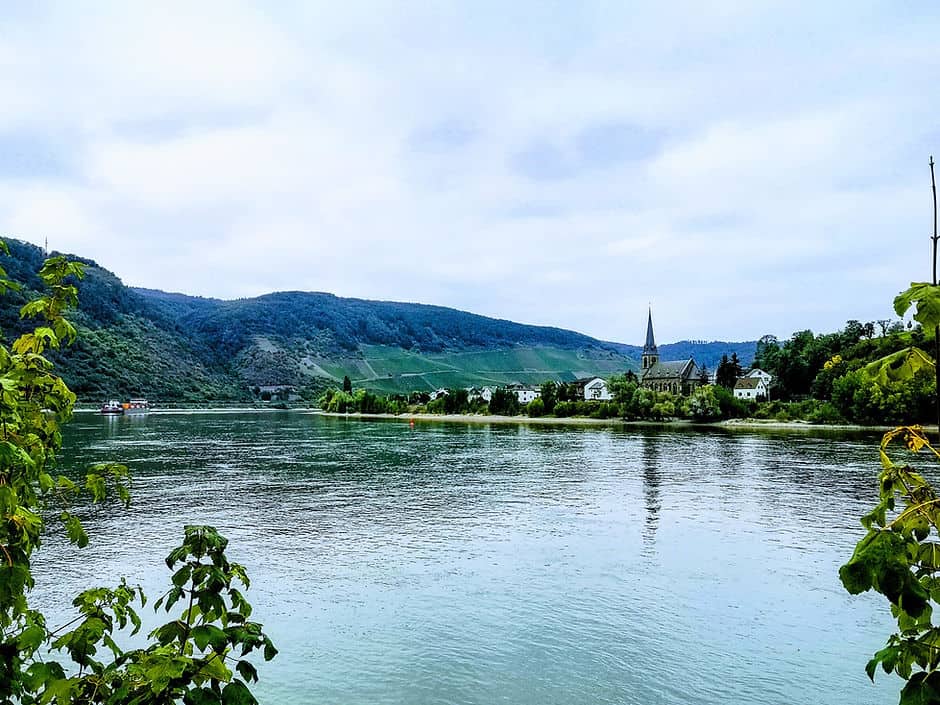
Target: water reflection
[652,477]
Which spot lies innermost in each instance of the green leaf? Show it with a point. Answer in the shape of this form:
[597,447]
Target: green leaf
[31,637]
[900,366]
[46,482]
[929,555]
[237,693]
[214,667]
[75,530]
[164,669]
[247,671]
[209,635]
[58,690]
[922,689]
[169,632]
[94,483]
[181,577]
[269,651]
[201,696]
[927,298]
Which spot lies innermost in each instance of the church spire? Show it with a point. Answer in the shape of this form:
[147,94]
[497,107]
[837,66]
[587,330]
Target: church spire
[650,346]
[650,353]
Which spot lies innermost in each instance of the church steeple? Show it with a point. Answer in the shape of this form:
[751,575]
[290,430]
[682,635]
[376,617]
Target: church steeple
[650,353]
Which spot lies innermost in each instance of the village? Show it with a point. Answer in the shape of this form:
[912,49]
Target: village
[679,377]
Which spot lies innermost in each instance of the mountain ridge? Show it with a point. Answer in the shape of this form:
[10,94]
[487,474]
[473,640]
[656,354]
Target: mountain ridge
[171,346]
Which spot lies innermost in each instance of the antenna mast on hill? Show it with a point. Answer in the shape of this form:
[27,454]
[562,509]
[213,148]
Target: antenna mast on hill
[46,248]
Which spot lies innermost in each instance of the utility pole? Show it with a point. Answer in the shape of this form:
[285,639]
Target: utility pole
[936,330]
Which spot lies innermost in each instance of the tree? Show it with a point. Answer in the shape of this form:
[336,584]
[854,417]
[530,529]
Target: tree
[535,408]
[703,405]
[725,375]
[622,388]
[736,366]
[347,384]
[549,395]
[567,392]
[185,659]
[504,402]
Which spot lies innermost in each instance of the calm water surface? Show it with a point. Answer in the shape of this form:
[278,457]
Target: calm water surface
[506,564]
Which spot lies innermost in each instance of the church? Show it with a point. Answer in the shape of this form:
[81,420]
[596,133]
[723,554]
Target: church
[676,376]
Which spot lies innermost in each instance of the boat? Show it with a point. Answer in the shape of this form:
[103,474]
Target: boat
[137,406]
[112,407]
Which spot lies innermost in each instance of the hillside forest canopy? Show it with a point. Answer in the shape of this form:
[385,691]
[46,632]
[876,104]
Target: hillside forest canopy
[175,348]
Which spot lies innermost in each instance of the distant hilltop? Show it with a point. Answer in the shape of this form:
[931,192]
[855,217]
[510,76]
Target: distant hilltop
[174,347]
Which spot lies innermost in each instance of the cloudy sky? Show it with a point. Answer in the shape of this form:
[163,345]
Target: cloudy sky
[748,168]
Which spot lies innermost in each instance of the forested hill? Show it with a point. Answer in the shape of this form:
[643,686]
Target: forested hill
[174,347]
[350,323]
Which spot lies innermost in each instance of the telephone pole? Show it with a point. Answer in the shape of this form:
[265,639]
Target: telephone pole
[936,330]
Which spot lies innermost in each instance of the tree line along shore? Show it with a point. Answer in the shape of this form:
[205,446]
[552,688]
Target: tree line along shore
[867,374]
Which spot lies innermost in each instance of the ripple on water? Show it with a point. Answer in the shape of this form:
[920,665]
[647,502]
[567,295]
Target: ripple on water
[483,564]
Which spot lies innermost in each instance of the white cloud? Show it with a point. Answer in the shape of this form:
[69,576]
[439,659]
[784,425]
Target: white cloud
[773,176]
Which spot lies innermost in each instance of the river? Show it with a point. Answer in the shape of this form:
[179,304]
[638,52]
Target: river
[477,564]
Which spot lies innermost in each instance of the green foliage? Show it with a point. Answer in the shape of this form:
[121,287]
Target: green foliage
[622,387]
[703,404]
[535,408]
[899,367]
[728,371]
[899,557]
[863,399]
[504,403]
[549,395]
[187,658]
[362,401]
[926,299]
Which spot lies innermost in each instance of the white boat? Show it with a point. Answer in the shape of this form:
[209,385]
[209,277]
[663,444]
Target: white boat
[136,406]
[112,407]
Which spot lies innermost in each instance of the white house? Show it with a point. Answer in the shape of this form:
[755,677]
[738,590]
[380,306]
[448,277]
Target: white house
[757,372]
[527,394]
[751,388]
[524,394]
[439,393]
[596,389]
[484,393]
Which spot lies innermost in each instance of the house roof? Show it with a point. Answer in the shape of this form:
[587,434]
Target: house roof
[586,380]
[671,369]
[748,383]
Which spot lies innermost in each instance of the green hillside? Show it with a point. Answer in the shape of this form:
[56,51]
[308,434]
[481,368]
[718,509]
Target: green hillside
[176,348]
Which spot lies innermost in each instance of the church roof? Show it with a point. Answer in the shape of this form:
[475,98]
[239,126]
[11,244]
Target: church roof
[672,369]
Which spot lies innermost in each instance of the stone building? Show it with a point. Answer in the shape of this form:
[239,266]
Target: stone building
[676,376]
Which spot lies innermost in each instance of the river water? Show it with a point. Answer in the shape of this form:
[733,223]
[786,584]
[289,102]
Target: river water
[450,563]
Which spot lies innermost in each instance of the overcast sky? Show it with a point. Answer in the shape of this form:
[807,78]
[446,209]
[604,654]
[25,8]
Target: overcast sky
[748,168]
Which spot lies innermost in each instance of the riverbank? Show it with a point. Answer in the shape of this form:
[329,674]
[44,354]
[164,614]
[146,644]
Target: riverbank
[743,424]
[728,424]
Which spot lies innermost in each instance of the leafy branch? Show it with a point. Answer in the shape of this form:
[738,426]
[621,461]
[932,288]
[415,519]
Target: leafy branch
[897,559]
[185,661]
